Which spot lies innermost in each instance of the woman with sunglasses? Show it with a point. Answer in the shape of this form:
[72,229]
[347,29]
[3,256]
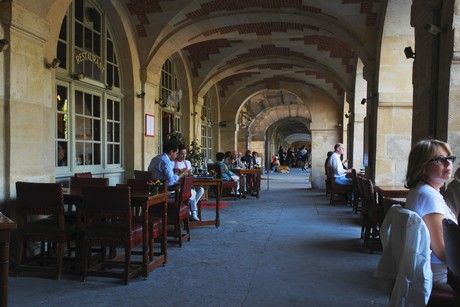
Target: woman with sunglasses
[429,168]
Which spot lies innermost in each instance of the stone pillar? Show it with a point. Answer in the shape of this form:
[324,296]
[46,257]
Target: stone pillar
[322,141]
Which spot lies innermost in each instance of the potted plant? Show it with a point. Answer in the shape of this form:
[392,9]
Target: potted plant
[194,154]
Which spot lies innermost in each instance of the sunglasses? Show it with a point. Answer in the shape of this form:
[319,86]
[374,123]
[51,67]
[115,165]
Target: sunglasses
[442,159]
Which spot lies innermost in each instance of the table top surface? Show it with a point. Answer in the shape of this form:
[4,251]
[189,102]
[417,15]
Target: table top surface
[6,223]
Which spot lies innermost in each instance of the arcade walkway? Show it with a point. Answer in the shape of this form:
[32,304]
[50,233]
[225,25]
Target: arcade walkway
[289,248]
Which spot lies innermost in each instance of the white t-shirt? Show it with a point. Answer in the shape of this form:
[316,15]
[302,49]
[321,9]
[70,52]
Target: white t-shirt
[424,199]
[336,164]
[183,164]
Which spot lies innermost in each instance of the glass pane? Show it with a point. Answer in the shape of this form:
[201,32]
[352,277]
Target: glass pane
[109,109]
[109,74]
[88,39]
[97,20]
[116,132]
[116,80]
[97,106]
[88,129]
[78,35]
[97,154]
[97,44]
[79,127]
[116,154]
[79,10]
[61,99]
[110,154]
[78,102]
[79,153]
[109,132]
[62,54]
[88,154]
[61,126]
[97,130]
[63,30]
[116,109]
[62,154]
[109,51]
[88,108]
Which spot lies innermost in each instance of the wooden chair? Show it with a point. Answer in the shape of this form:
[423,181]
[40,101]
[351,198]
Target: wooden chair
[327,182]
[145,175]
[178,211]
[357,200]
[374,216]
[227,185]
[403,271]
[339,192]
[155,220]
[107,220]
[83,175]
[451,232]
[34,201]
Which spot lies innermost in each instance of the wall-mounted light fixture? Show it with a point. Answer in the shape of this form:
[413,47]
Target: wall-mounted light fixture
[348,115]
[54,64]
[79,76]
[223,124]
[363,101]
[4,44]
[410,54]
[432,29]
[194,113]
[140,95]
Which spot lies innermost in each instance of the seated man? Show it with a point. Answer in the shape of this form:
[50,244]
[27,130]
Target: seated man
[162,168]
[233,162]
[248,160]
[180,164]
[340,174]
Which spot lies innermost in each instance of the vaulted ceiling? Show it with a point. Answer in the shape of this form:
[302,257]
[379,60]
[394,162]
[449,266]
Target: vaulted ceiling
[255,44]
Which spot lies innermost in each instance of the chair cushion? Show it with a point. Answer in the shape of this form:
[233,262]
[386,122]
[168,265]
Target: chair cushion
[114,234]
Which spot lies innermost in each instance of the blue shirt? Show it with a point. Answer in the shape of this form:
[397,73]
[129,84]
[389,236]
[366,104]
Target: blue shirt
[226,173]
[162,167]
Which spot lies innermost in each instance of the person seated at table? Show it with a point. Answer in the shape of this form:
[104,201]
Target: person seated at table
[227,174]
[233,162]
[248,160]
[274,164]
[162,168]
[429,167]
[180,164]
[340,174]
[255,154]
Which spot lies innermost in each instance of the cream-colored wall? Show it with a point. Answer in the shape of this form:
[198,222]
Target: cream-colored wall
[29,121]
[394,122]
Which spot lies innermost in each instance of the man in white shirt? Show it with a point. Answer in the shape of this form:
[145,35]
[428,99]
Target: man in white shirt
[337,167]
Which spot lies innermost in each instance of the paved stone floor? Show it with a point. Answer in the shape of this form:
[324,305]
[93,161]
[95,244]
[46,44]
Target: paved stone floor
[288,248]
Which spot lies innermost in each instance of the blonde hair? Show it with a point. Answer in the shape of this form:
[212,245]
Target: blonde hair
[419,156]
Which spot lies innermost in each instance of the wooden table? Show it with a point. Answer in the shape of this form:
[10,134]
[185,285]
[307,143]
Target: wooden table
[145,201]
[5,228]
[208,182]
[390,191]
[256,174]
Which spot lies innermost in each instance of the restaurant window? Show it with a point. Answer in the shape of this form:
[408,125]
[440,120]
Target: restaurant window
[89,107]
[169,100]
[206,128]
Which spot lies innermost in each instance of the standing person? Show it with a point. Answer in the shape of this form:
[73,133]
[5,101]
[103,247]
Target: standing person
[302,156]
[337,167]
[281,155]
[289,155]
[181,163]
[162,168]
[428,169]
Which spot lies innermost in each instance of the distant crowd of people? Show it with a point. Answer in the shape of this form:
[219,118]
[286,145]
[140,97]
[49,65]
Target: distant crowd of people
[291,158]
